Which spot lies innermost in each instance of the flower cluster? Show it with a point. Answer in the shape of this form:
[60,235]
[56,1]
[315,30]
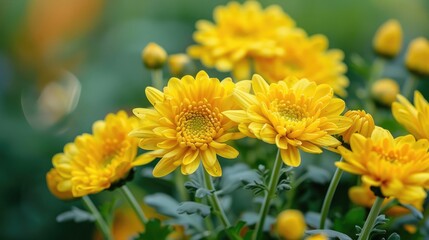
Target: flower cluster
[268,42]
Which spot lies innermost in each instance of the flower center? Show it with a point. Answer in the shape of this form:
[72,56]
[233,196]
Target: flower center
[389,156]
[289,111]
[198,124]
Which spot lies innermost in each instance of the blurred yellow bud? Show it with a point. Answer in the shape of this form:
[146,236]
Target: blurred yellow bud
[362,123]
[388,38]
[290,224]
[180,64]
[385,90]
[154,56]
[417,57]
[317,237]
[53,178]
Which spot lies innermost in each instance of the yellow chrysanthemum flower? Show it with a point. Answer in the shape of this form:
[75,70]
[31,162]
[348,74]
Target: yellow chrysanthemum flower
[93,162]
[317,237]
[187,125]
[290,224]
[240,32]
[362,123]
[399,167]
[306,57]
[363,196]
[388,38]
[414,118]
[301,116]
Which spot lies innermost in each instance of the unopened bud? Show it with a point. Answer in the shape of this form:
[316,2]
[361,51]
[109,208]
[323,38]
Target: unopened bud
[363,123]
[388,38]
[290,224]
[180,65]
[417,58]
[154,56]
[384,91]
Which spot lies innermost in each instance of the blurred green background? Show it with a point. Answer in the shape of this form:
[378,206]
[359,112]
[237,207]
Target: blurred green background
[91,48]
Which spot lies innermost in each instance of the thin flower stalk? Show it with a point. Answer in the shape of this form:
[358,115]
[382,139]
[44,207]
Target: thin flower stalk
[134,204]
[272,186]
[99,220]
[329,195]
[370,220]
[214,200]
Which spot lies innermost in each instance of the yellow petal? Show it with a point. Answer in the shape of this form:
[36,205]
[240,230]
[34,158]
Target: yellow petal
[209,157]
[238,116]
[154,95]
[227,152]
[310,148]
[215,170]
[259,84]
[190,156]
[291,156]
[244,99]
[190,168]
[165,166]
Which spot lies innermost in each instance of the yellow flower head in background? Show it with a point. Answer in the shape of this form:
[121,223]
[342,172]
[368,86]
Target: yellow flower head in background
[240,32]
[302,116]
[363,196]
[187,126]
[290,224]
[388,38]
[417,56]
[362,123]
[93,162]
[306,57]
[385,90]
[399,167]
[414,118]
[317,237]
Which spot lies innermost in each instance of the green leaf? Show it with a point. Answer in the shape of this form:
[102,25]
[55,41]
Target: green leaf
[394,236]
[75,214]
[235,176]
[163,204]
[318,175]
[203,192]
[154,230]
[416,213]
[329,233]
[193,207]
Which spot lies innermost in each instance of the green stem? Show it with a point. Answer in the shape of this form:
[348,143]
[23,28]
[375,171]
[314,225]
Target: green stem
[409,86]
[376,72]
[101,223]
[157,81]
[134,204]
[180,186]
[370,220]
[329,195]
[291,193]
[272,186]
[214,200]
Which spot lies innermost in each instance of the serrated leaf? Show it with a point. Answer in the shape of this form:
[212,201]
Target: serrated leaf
[203,192]
[235,175]
[154,230]
[329,233]
[193,208]
[394,236]
[318,175]
[163,203]
[76,215]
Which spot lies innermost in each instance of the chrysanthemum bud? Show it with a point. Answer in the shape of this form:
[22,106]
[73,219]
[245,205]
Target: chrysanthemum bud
[388,38]
[154,56]
[363,123]
[180,65]
[385,90]
[290,224]
[417,57]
